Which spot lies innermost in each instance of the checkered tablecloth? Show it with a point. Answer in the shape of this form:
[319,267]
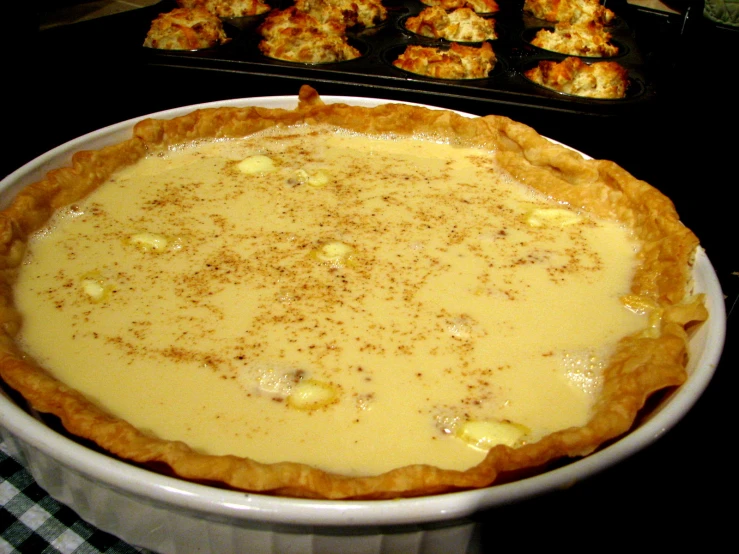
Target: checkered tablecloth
[31,522]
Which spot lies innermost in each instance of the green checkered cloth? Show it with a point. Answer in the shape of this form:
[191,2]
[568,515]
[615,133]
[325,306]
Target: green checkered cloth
[31,522]
[725,12]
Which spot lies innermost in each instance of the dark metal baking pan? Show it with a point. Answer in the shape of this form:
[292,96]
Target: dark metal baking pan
[505,85]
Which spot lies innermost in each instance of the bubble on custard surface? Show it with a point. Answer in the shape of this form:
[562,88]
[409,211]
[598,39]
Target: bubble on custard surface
[269,378]
[286,296]
[447,422]
[464,327]
[584,369]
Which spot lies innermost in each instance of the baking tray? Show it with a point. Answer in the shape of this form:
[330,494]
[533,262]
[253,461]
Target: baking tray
[381,45]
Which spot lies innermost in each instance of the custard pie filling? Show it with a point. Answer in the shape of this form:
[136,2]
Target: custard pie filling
[343,302]
[303,292]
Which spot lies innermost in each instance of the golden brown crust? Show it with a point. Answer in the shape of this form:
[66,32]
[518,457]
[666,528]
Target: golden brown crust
[587,39]
[347,13]
[228,8]
[362,13]
[479,6]
[370,13]
[573,76]
[643,363]
[185,29]
[569,11]
[457,62]
[296,36]
[460,25]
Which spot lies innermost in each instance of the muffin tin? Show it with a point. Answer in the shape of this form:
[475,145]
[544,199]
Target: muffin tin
[381,45]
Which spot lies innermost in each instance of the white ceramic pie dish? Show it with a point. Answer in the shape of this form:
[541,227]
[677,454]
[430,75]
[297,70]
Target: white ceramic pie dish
[169,515]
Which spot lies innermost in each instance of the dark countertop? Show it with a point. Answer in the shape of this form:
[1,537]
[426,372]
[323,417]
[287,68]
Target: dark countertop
[66,81]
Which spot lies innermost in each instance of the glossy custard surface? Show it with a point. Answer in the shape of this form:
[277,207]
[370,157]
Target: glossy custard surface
[353,303]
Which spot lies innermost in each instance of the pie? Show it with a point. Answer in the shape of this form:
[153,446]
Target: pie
[574,76]
[460,25]
[344,292]
[186,29]
[456,62]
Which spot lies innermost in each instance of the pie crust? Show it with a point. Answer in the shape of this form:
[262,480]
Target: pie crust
[643,364]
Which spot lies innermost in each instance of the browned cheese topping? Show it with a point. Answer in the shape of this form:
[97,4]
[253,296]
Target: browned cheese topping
[228,8]
[460,25]
[479,6]
[186,29]
[574,76]
[296,36]
[457,62]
